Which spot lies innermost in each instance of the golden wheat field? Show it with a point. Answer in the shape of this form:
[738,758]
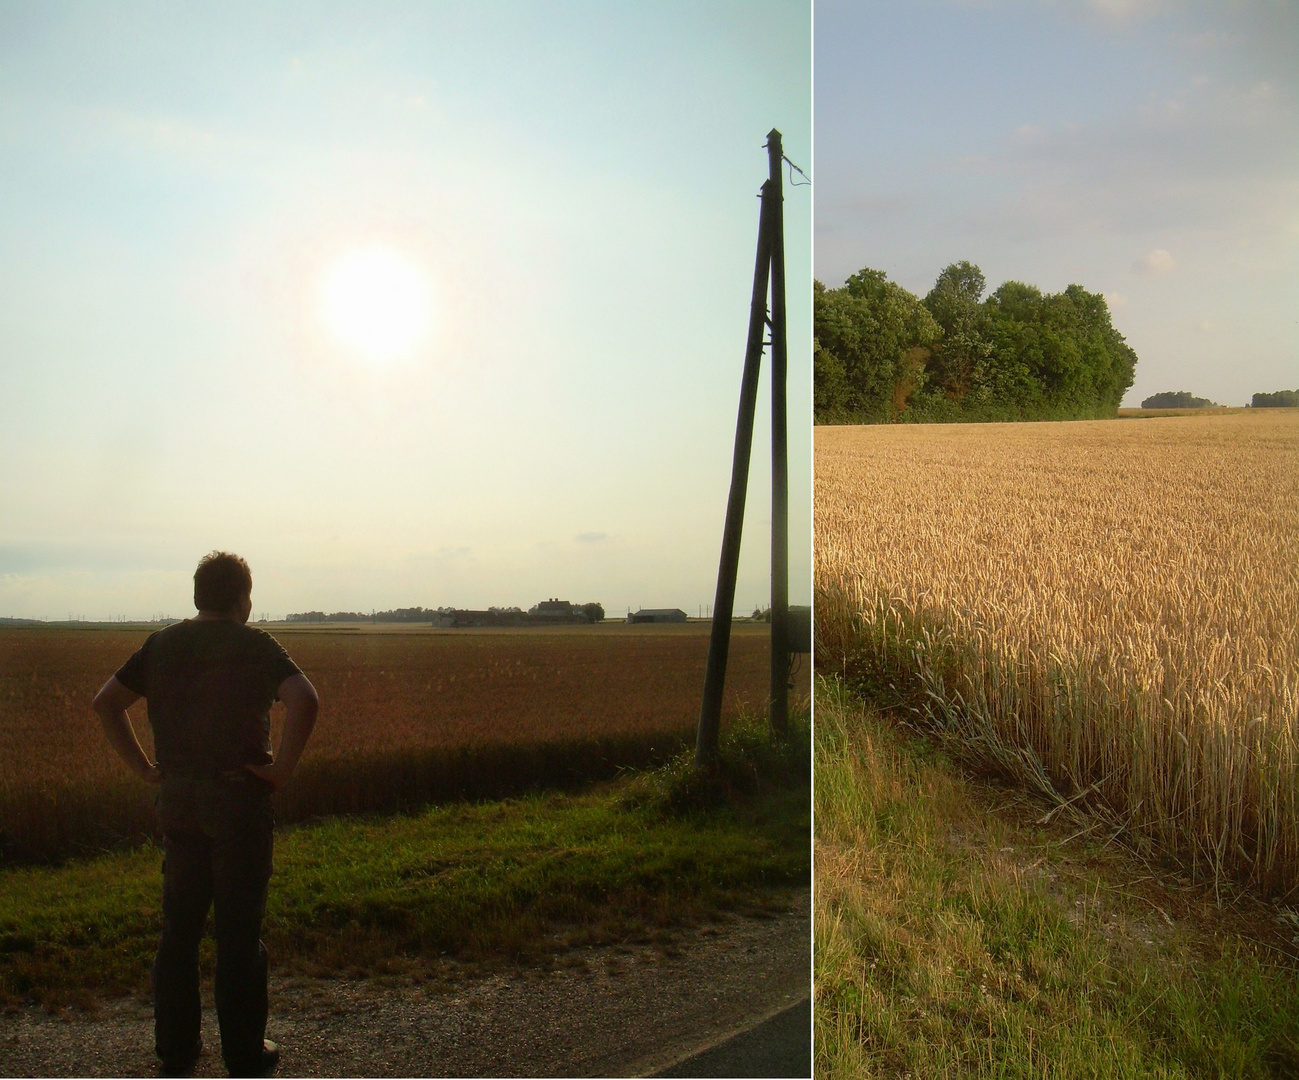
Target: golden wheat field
[1108,610]
[405,717]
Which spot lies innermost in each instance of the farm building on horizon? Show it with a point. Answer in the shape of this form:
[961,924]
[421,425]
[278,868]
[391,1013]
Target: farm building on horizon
[556,610]
[656,615]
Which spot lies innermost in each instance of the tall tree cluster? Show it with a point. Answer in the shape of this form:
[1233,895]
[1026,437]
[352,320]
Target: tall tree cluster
[1178,399]
[882,354]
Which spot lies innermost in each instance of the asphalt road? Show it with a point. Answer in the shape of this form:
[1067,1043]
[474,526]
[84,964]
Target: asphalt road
[780,1046]
[714,1000]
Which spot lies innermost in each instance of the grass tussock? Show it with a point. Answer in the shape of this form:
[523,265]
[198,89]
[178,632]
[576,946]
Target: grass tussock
[751,761]
[1104,611]
[406,719]
[956,936]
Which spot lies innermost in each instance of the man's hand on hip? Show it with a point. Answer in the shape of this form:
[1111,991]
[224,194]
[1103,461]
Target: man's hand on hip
[110,705]
[274,774]
[301,705]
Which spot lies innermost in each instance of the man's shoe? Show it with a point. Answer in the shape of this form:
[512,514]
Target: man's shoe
[270,1057]
[264,1066]
[182,1066]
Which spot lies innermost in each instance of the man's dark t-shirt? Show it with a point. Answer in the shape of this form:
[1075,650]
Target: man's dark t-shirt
[210,686]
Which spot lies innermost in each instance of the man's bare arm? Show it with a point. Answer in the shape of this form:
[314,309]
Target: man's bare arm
[110,705]
[301,705]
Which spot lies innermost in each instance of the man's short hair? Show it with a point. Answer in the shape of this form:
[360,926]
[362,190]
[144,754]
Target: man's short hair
[221,581]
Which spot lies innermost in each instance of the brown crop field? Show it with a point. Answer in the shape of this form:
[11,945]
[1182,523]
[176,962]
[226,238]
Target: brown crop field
[408,716]
[1106,610]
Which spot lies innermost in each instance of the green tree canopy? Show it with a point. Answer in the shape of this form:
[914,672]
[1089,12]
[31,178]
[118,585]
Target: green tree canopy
[1177,399]
[871,347]
[1282,399]
[880,354]
[958,365]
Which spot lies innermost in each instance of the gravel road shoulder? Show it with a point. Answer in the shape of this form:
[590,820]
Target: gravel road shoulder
[608,1011]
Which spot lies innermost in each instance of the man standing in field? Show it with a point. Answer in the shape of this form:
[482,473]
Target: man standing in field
[210,682]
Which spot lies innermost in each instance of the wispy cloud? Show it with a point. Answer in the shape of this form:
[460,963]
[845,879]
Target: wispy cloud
[1125,12]
[1155,263]
[592,538]
[28,558]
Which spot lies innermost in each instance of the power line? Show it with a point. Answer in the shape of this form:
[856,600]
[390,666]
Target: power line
[796,169]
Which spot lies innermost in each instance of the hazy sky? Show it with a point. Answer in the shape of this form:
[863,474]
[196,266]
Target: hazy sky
[559,200]
[1146,150]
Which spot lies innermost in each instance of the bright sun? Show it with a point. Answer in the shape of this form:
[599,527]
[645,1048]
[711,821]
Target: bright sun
[376,301]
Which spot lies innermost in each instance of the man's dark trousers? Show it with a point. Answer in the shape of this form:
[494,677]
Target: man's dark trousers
[218,836]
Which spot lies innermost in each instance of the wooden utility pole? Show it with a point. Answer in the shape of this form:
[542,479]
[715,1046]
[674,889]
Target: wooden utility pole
[769,267]
[779,708]
[719,643]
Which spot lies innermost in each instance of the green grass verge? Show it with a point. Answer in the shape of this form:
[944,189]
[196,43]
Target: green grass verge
[513,879]
[956,936]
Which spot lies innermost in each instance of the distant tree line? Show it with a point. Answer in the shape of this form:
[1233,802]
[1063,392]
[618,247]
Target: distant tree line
[1282,399]
[1183,399]
[1178,399]
[882,355]
[398,615]
[593,612]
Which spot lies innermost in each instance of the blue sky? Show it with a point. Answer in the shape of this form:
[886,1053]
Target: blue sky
[572,184]
[1145,149]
